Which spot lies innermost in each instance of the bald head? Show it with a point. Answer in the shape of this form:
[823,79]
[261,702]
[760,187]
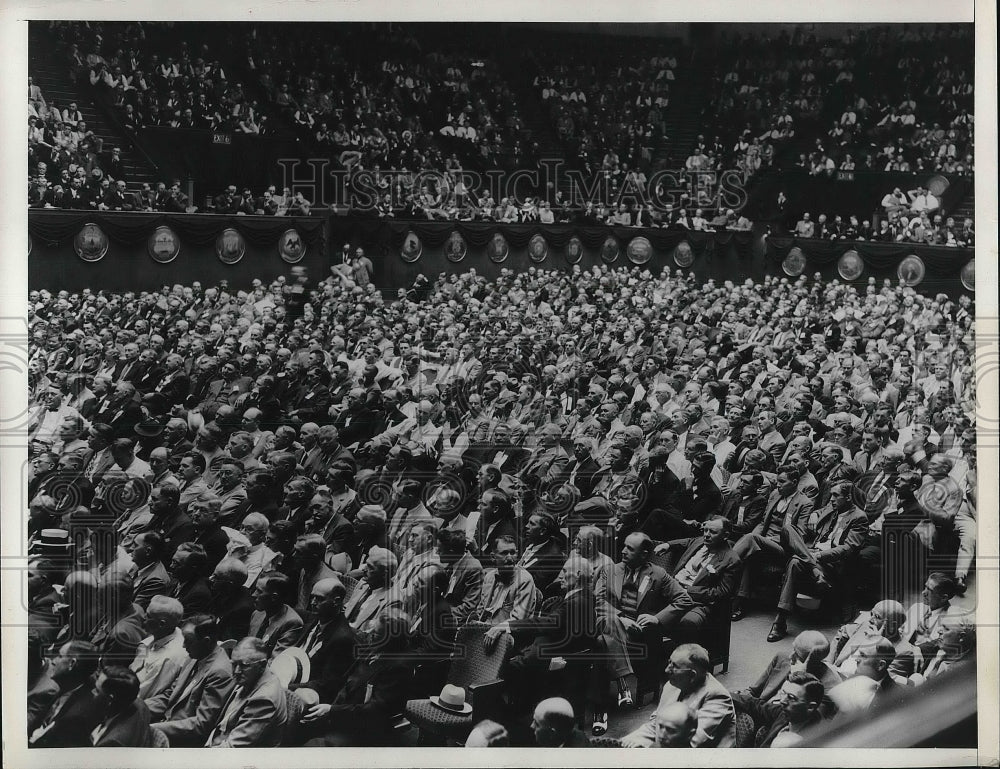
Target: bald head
[810,645]
[675,724]
[553,722]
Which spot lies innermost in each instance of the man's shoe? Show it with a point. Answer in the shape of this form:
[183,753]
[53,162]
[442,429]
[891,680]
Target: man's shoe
[778,631]
[737,615]
[600,725]
[961,585]
[625,699]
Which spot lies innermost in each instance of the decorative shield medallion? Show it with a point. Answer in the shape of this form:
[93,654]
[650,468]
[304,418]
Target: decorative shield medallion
[498,249]
[911,270]
[610,249]
[850,265]
[574,250]
[412,248]
[454,247]
[538,249]
[969,275]
[91,243]
[291,246]
[795,263]
[230,246]
[163,245]
[639,250]
[683,254]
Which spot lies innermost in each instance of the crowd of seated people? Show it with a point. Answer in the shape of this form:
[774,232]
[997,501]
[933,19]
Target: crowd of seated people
[607,106]
[574,475]
[151,76]
[911,217]
[910,112]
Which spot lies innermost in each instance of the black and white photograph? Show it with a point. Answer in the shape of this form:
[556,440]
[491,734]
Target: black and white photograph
[427,385]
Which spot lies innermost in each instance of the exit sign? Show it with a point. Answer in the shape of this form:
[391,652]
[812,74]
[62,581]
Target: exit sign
[222,138]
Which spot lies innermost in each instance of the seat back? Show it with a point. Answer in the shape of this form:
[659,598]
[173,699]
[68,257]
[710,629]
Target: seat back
[470,662]
[605,742]
[744,730]
[296,707]
[349,583]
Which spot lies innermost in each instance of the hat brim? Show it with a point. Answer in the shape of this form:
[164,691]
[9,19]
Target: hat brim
[465,710]
[292,666]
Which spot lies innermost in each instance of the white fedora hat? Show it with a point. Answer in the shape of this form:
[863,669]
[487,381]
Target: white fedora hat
[452,700]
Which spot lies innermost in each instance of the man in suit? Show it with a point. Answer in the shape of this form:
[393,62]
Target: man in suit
[230,600]
[885,620]
[120,630]
[569,626]
[375,691]
[371,596]
[637,603]
[328,640]
[307,556]
[192,484]
[188,568]
[690,682]
[818,558]
[254,714]
[274,622]
[744,506]
[465,574]
[810,650]
[174,385]
[708,570]
[356,423]
[149,577]
[161,654]
[582,470]
[547,461]
[704,499]
[544,553]
[794,711]
[871,682]
[508,590]
[186,711]
[786,507]
[125,717]
[74,714]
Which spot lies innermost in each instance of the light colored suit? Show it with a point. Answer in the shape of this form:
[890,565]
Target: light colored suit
[716,717]
[191,706]
[252,719]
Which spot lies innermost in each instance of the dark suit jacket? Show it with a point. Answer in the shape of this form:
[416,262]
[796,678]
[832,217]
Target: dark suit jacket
[233,613]
[148,379]
[366,719]
[465,586]
[117,642]
[73,722]
[753,512]
[195,596]
[215,542]
[280,632]
[797,513]
[569,625]
[545,564]
[188,710]
[356,427]
[129,729]
[339,535]
[176,390]
[586,476]
[155,582]
[331,662]
[716,579]
[851,537]
[313,404]
[659,593]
